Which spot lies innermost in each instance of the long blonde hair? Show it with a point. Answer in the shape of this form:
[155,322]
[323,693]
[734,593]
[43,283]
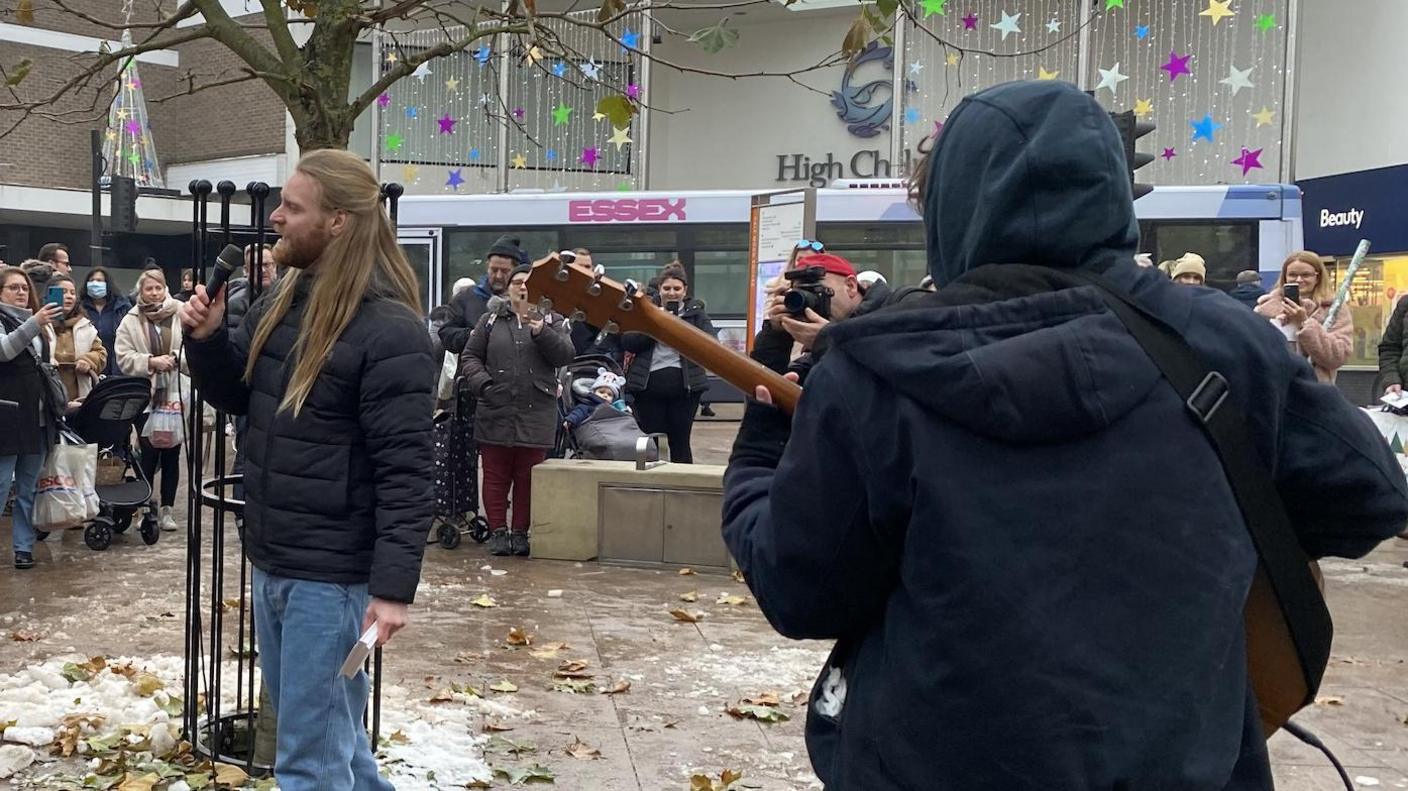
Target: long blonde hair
[363,259]
[1324,289]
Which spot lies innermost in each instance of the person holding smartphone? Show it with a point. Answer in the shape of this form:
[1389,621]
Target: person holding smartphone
[75,349]
[1299,304]
[510,364]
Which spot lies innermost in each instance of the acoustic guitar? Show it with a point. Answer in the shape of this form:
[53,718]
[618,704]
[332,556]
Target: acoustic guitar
[1273,663]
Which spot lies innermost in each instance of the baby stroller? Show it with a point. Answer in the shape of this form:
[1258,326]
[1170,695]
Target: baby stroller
[105,419]
[457,473]
[608,434]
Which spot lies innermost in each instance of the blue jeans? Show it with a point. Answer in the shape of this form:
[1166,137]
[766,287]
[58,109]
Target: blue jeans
[23,472]
[305,631]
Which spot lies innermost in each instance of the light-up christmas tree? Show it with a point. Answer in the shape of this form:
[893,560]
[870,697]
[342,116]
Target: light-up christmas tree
[128,148]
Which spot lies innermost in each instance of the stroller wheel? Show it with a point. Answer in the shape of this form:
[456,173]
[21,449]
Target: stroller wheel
[449,536]
[479,529]
[98,536]
[121,520]
[149,531]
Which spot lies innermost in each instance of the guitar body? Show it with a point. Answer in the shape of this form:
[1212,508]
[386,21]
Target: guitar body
[1273,664]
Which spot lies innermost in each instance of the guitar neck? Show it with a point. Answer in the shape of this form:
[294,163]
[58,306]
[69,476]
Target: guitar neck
[700,347]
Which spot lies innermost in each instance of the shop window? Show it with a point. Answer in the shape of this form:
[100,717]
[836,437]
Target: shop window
[1376,290]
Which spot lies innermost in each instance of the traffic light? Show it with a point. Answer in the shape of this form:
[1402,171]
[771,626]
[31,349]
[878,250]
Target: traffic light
[1131,129]
[124,204]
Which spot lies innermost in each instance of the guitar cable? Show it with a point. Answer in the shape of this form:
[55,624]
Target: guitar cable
[1314,741]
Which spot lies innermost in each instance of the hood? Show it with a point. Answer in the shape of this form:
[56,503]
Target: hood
[1028,172]
[1011,352]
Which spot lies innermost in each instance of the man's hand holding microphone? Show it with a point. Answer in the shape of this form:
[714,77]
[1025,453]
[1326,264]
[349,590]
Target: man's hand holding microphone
[203,312]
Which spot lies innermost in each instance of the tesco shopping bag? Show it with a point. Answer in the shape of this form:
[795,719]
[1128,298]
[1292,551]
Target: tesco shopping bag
[166,423]
[65,496]
[1394,428]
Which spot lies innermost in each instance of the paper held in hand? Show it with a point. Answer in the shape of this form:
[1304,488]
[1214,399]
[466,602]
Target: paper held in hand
[1397,400]
[360,652]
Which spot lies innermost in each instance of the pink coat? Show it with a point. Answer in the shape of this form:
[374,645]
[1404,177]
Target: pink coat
[1328,349]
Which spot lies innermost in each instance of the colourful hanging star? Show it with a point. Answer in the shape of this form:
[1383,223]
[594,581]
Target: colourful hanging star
[1217,9]
[1141,32]
[1169,153]
[1249,160]
[633,91]
[1263,118]
[620,138]
[589,157]
[1177,64]
[1111,78]
[1054,26]
[133,128]
[591,70]
[1205,128]
[456,179]
[412,112]
[447,124]
[916,67]
[122,114]
[410,173]
[1237,79]
[483,54]
[422,71]
[111,135]
[519,161]
[970,22]
[561,114]
[452,84]
[1113,4]
[932,7]
[383,100]
[474,155]
[938,127]
[1143,108]
[624,186]
[518,113]
[1266,22]
[1008,25]
[391,57]
[393,142]
[630,40]
[550,155]
[952,59]
[1043,74]
[559,69]
[911,115]
[134,158]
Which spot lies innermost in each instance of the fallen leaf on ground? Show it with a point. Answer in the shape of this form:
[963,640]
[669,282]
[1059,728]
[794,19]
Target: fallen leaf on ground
[503,744]
[516,636]
[82,671]
[686,572]
[523,775]
[576,686]
[504,686]
[759,713]
[582,751]
[443,696]
[706,783]
[397,737]
[466,657]
[548,651]
[148,684]
[764,699]
[230,775]
[737,576]
[686,616]
[134,782]
[231,604]
[734,601]
[484,601]
[26,636]
[573,668]
[618,688]
[691,597]
[671,724]
[496,727]
[1329,700]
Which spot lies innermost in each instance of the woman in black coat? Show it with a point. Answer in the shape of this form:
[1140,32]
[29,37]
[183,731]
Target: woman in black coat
[666,386]
[510,365]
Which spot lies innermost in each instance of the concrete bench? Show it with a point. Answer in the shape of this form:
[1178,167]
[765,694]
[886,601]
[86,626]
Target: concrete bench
[668,515]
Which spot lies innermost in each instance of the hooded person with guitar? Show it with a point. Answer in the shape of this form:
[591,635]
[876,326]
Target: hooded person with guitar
[984,495]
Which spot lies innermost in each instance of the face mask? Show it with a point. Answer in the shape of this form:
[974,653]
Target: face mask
[97,289]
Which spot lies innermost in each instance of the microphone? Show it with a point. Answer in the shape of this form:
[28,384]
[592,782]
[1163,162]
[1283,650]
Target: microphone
[226,263]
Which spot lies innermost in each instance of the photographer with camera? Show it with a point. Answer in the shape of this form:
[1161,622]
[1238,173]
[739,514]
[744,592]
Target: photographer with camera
[667,387]
[817,291]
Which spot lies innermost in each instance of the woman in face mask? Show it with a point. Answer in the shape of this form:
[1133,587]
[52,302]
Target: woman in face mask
[105,305]
[74,346]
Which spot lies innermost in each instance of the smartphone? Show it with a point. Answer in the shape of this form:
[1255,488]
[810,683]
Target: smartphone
[1292,292]
[55,296]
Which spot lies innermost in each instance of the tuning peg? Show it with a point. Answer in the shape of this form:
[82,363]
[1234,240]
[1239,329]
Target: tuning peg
[611,328]
[545,305]
[561,273]
[599,270]
[578,315]
[632,287]
[595,288]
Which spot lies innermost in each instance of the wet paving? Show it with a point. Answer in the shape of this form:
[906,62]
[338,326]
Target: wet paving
[671,721]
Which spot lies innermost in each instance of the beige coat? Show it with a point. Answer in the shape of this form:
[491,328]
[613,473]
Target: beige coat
[1327,349]
[133,346]
[86,346]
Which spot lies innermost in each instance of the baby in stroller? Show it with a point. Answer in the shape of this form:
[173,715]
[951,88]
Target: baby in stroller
[606,389]
[600,425]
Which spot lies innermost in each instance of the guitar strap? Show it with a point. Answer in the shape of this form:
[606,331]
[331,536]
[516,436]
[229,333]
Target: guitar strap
[1207,396]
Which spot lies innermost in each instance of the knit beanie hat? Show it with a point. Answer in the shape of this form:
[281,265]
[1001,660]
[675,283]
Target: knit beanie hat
[509,247]
[1191,264]
[609,380]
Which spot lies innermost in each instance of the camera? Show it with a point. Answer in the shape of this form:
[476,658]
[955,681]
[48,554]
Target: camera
[807,291]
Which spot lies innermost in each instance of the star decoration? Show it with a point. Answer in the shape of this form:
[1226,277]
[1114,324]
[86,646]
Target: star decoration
[633,91]
[559,69]
[134,158]
[620,138]
[952,59]
[391,57]
[1168,154]
[1249,160]
[1217,9]
[383,100]
[1043,74]
[1266,22]
[410,173]
[1205,128]
[412,112]
[1113,4]
[970,22]
[111,135]
[422,71]
[1237,79]
[1054,26]
[630,39]
[122,114]
[1143,108]
[1264,117]
[624,186]
[932,7]
[1111,78]
[447,124]
[1177,64]
[133,85]
[456,179]
[561,114]
[911,115]
[938,127]
[519,161]
[483,54]
[452,84]
[550,155]
[915,68]
[474,155]
[393,142]
[1008,25]
[1141,32]
[589,157]
[591,70]
[518,113]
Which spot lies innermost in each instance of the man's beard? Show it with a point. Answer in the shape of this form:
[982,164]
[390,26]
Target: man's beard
[498,288]
[301,253]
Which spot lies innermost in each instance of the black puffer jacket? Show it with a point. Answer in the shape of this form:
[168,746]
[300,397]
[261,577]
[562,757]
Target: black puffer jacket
[341,493]
[643,346]
[513,374]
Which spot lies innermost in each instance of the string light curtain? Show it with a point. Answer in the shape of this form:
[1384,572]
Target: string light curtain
[1209,73]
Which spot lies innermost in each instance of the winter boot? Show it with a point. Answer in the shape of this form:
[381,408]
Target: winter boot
[520,544]
[167,521]
[500,545]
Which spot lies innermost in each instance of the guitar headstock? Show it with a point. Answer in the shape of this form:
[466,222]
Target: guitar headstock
[578,292]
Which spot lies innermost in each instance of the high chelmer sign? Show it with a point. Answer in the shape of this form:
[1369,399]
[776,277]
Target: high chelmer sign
[818,172]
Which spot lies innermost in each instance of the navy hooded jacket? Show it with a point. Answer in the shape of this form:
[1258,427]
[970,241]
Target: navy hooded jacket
[1027,551]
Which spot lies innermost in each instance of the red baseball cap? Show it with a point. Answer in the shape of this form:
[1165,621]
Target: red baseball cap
[834,264]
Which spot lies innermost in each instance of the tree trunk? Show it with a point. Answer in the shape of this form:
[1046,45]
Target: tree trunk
[315,130]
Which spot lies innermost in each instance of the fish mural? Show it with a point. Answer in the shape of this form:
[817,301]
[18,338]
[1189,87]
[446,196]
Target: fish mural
[857,103]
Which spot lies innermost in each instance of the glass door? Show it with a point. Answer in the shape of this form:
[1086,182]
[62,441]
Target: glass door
[422,249]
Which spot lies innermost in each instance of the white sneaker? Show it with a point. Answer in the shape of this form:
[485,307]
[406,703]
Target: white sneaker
[167,521]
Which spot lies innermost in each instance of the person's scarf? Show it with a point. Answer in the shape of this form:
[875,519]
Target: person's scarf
[159,328]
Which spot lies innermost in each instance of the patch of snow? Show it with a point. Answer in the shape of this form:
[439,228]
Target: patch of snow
[13,758]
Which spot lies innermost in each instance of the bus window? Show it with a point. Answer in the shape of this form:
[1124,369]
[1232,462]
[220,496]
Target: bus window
[465,250]
[895,250]
[1227,247]
[721,280]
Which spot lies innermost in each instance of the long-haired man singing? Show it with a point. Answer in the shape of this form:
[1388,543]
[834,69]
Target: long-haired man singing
[334,371]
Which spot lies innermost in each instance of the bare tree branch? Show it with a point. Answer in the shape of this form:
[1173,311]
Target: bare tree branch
[278,29]
[186,9]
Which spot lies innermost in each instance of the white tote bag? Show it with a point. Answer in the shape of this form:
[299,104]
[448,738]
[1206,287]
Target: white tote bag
[65,497]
